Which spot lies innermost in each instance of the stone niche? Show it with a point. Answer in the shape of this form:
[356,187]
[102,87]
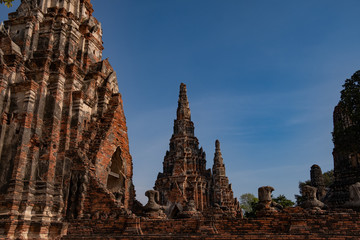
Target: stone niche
[117,177]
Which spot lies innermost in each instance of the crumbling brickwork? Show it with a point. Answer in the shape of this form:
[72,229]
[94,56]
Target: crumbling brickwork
[63,130]
[185,177]
[290,224]
[345,153]
[221,190]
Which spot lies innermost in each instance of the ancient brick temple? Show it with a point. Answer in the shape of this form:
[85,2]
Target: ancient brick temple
[65,165]
[221,190]
[184,175]
[63,138]
[346,159]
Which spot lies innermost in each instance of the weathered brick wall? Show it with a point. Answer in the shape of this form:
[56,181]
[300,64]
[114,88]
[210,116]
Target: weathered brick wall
[292,223]
[62,121]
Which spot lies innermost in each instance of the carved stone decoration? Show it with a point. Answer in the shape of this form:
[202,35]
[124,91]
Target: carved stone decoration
[25,7]
[62,120]
[152,208]
[309,194]
[189,210]
[354,201]
[1,56]
[83,192]
[116,181]
[72,202]
[119,195]
[190,206]
[317,180]
[264,193]
[265,200]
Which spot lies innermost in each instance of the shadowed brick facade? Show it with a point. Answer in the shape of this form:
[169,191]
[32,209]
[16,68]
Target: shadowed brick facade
[63,132]
[346,159]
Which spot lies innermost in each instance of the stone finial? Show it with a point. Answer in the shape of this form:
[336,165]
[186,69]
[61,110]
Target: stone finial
[218,160]
[217,145]
[153,198]
[317,180]
[152,208]
[264,193]
[265,200]
[309,194]
[354,198]
[218,166]
[183,111]
[315,174]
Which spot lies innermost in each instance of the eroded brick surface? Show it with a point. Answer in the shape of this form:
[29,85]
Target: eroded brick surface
[292,223]
[185,177]
[64,150]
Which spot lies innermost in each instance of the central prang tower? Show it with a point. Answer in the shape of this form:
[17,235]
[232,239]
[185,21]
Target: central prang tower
[184,175]
[185,180]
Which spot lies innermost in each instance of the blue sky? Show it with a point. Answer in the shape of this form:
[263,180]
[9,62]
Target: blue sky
[263,77]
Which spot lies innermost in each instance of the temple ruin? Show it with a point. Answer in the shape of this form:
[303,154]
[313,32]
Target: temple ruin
[185,176]
[65,164]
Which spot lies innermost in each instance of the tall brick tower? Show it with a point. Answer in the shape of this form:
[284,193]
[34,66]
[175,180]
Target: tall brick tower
[222,193]
[346,163]
[64,151]
[346,151]
[184,175]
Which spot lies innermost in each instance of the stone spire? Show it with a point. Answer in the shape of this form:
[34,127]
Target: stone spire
[222,193]
[183,110]
[218,167]
[184,175]
[183,125]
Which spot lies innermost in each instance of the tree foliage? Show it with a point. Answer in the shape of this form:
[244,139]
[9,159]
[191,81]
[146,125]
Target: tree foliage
[248,203]
[283,201]
[346,135]
[7,3]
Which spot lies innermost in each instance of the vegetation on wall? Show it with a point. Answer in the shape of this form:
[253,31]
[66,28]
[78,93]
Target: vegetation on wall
[7,3]
[346,135]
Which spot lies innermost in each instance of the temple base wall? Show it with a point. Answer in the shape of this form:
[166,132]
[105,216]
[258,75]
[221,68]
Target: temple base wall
[292,223]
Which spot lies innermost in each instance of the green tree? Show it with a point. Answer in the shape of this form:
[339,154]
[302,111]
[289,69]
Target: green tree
[7,3]
[248,203]
[283,201]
